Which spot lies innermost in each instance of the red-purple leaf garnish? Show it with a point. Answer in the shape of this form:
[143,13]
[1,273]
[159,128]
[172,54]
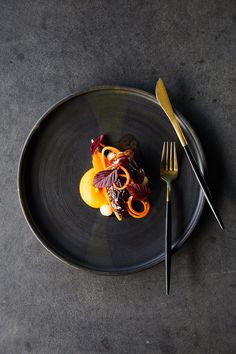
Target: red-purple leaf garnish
[105,179]
[138,191]
[95,143]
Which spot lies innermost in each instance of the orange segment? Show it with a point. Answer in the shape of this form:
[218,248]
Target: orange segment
[92,196]
[97,162]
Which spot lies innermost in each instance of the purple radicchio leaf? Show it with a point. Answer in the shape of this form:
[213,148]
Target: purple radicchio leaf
[95,143]
[138,191]
[105,178]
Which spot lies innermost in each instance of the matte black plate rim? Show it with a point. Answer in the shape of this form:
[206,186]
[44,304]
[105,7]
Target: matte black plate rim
[150,263]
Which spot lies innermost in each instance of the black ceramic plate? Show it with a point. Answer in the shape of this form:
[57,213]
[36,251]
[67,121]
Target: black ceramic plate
[55,156]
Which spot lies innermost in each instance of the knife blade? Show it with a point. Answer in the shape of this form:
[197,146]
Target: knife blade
[163,99]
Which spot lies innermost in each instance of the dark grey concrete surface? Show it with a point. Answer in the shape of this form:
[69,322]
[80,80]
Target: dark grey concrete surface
[49,49]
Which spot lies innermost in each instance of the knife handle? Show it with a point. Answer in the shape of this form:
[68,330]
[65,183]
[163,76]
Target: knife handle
[203,185]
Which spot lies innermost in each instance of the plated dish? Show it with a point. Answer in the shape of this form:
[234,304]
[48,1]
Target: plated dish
[55,157]
[115,183]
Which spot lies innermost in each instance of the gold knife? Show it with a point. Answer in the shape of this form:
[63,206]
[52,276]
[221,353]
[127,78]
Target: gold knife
[163,99]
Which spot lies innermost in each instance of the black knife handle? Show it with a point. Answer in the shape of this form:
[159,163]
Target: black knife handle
[168,246]
[203,185]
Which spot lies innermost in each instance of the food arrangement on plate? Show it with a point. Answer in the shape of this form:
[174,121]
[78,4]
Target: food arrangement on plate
[52,162]
[115,183]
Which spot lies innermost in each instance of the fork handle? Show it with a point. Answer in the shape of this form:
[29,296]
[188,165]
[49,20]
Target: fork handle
[168,245]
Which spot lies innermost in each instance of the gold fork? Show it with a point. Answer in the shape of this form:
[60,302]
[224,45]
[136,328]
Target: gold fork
[168,172]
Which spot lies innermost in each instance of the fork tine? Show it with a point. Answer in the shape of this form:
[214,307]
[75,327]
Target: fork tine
[175,159]
[163,156]
[167,156]
[171,156]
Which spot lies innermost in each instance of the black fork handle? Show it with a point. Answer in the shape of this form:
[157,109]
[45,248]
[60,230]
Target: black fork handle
[168,246]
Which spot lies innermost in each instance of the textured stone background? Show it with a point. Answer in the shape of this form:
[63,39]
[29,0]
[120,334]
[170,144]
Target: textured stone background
[49,49]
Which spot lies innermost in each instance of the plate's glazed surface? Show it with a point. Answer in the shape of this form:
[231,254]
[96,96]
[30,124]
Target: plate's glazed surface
[55,156]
